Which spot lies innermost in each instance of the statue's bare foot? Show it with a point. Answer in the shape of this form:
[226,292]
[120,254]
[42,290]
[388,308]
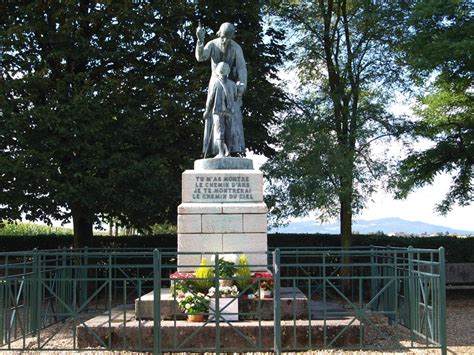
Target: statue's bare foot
[220,155]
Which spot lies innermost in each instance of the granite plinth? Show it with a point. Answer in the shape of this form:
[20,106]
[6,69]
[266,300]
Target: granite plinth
[225,163]
[294,304]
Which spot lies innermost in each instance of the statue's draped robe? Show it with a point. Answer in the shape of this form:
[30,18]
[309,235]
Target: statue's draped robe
[221,98]
[233,56]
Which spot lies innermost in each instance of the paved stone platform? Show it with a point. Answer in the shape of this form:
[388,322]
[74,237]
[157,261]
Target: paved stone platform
[294,304]
[122,327]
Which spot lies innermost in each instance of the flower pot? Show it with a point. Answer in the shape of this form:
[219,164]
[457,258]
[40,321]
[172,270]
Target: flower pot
[226,283]
[195,317]
[264,293]
[229,309]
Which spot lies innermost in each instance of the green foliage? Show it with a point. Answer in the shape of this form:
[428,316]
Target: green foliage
[437,46]
[29,229]
[227,269]
[102,106]
[440,39]
[243,273]
[348,70]
[447,120]
[164,228]
[205,273]
[51,241]
[193,303]
[458,250]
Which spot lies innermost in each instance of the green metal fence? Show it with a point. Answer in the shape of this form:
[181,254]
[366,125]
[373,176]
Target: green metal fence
[364,298]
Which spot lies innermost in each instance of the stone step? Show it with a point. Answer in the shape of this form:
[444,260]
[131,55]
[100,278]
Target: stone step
[122,327]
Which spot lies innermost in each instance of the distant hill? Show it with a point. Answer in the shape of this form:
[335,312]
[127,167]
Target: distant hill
[386,225]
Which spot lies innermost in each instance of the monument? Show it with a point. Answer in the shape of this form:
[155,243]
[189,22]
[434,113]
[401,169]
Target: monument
[222,210]
[222,207]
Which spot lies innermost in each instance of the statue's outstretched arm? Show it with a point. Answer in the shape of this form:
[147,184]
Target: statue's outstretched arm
[203,52]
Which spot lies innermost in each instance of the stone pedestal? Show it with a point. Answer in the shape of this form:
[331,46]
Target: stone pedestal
[222,210]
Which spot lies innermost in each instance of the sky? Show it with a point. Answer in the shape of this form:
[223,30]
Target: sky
[418,206]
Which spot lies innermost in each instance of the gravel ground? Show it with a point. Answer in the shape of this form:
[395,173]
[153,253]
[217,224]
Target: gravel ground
[460,329]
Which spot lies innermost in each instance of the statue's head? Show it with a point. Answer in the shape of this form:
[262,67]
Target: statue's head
[226,32]
[222,69]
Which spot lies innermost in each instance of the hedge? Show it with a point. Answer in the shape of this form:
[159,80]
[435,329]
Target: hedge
[457,249]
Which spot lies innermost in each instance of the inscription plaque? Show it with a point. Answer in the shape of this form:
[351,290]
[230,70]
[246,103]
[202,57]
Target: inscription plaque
[222,186]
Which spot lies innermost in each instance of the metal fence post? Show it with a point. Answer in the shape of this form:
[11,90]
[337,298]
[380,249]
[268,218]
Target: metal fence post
[442,302]
[35,295]
[3,303]
[373,272]
[84,274]
[411,294]
[217,312]
[156,302]
[276,302]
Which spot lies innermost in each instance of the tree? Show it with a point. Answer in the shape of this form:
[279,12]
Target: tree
[348,71]
[102,108]
[438,46]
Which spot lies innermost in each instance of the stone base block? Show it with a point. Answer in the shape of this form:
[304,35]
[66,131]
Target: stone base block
[294,304]
[222,218]
[192,247]
[229,309]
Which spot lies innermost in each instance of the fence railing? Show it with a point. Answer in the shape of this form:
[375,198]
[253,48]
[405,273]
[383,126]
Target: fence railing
[364,298]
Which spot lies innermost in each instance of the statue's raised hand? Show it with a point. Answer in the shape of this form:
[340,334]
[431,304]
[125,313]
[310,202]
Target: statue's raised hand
[200,33]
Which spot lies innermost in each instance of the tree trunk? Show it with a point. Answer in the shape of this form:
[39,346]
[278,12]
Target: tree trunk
[346,238]
[346,222]
[83,228]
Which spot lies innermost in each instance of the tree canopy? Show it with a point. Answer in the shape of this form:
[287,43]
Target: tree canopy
[102,106]
[438,49]
[348,71]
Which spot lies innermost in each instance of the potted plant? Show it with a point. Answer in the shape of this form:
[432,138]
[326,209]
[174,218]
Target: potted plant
[243,277]
[227,269]
[228,303]
[266,289]
[204,276]
[194,305]
[264,284]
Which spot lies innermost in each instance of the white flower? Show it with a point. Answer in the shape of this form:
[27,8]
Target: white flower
[232,258]
[188,294]
[187,306]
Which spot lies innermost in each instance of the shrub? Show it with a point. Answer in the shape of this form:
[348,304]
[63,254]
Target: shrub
[26,229]
[243,273]
[206,274]
[458,250]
